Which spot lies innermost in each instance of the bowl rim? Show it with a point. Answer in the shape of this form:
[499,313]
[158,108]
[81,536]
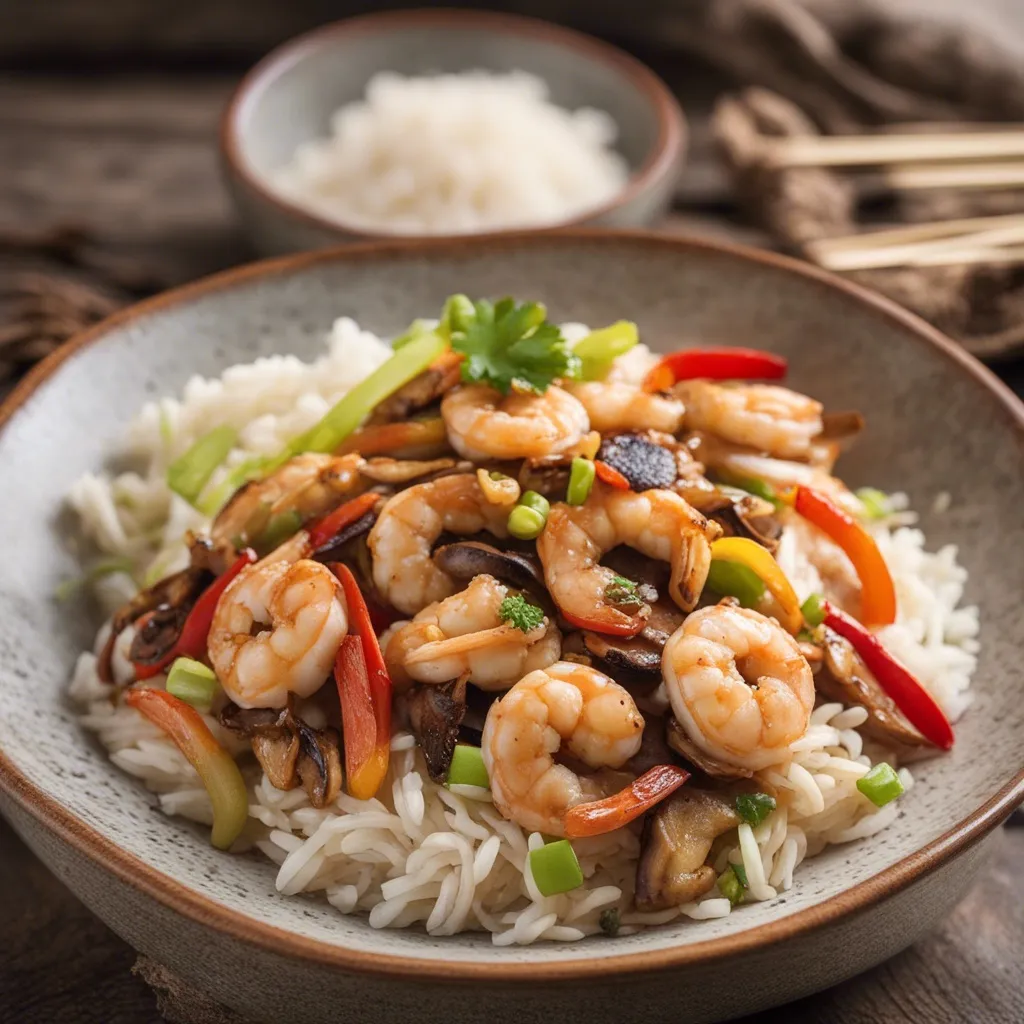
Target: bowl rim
[205,911]
[665,156]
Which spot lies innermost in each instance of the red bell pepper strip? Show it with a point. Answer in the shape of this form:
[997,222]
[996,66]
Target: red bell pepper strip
[610,475]
[916,703]
[334,522]
[600,816]
[191,642]
[715,364]
[216,767]
[364,689]
[878,595]
[625,625]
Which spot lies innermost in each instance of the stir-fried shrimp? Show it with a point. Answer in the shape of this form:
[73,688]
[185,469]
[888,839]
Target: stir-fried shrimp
[309,485]
[738,685]
[276,631]
[464,635]
[616,405]
[762,416]
[564,704]
[803,547]
[484,424]
[408,527]
[659,524]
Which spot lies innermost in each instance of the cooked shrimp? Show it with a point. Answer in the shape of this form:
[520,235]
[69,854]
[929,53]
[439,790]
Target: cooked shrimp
[616,405]
[407,528]
[276,631]
[659,524]
[568,704]
[762,416]
[464,635]
[738,685]
[309,484]
[484,424]
[815,563]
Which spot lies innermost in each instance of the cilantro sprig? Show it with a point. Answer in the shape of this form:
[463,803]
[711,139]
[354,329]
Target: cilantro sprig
[509,345]
[521,613]
[623,593]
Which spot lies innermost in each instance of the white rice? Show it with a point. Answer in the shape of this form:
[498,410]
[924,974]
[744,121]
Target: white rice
[445,859]
[456,153]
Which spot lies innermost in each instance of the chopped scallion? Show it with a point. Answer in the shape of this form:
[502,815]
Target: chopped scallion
[877,504]
[192,682]
[191,472]
[600,348]
[555,868]
[467,767]
[813,610]
[753,808]
[731,579]
[741,874]
[730,886]
[881,784]
[752,485]
[581,481]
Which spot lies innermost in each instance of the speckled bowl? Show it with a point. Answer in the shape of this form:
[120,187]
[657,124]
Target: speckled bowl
[936,421]
[289,97]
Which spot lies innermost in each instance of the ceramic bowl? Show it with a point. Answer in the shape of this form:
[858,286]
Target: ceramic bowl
[289,97]
[937,421]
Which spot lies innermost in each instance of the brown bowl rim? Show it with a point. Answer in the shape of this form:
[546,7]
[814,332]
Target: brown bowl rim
[204,911]
[664,156]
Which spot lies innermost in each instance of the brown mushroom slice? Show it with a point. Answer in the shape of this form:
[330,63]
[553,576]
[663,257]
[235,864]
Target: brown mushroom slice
[467,559]
[319,764]
[677,739]
[677,838]
[845,677]
[634,661]
[665,618]
[751,517]
[435,714]
[386,470]
[278,754]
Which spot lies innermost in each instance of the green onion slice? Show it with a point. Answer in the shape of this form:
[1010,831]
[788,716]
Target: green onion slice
[191,472]
[731,579]
[876,503]
[581,481]
[752,485]
[555,868]
[730,886]
[881,784]
[191,681]
[467,767]
[813,610]
[600,348]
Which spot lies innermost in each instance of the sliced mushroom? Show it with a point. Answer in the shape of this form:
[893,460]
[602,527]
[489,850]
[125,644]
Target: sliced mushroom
[635,662]
[845,677]
[665,618]
[677,838]
[751,517]
[435,714]
[547,475]
[401,471]
[689,751]
[466,559]
[424,389]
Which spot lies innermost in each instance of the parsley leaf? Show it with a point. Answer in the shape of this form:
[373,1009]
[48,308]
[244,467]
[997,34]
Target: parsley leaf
[623,593]
[753,808]
[512,346]
[521,613]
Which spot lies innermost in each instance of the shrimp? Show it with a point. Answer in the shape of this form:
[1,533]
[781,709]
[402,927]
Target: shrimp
[564,703]
[658,523]
[738,685]
[276,631]
[309,484]
[616,405]
[484,424]
[407,528]
[464,635]
[762,416]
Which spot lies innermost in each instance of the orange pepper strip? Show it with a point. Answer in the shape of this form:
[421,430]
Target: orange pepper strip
[611,476]
[878,595]
[216,767]
[390,437]
[600,816]
[333,523]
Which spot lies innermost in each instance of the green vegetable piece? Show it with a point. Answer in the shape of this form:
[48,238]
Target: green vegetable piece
[67,589]
[741,874]
[623,593]
[508,345]
[581,481]
[813,610]
[191,472]
[525,523]
[877,504]
[414,331]
[730,886]
[458,313]
[531,499]
[555,868]
[192,682]
[599,348]
[731,579]
[753,808]
[520,613]
[752,485]
[277,531]
[881,784]
[610,921]
[467,767]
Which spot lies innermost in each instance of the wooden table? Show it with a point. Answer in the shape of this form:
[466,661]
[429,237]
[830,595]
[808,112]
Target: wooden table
[133,162]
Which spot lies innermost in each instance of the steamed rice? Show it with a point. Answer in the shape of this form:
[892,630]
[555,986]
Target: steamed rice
[445,859]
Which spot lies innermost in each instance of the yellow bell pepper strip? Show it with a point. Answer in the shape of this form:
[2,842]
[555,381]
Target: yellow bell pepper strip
[364,689]
[917,704]
[749,553]
[878,595]
[600,816]
[600,348]
[216,767]
[715,364]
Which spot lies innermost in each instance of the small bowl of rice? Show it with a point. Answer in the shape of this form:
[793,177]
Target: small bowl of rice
[446,123]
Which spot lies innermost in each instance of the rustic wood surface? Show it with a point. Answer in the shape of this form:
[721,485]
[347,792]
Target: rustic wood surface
[130,161]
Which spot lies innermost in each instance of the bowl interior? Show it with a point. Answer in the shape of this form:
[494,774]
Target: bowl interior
[292,97]
[932,426]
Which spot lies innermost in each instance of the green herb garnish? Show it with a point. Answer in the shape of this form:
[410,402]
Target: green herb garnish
[741,874]
[753,808]
[623,593]
[521,613]
[512,347]
[730,886]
